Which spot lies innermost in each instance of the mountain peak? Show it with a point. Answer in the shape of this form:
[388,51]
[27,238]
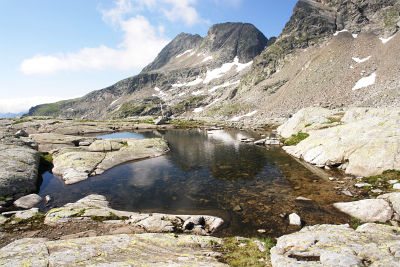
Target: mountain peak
[223,43]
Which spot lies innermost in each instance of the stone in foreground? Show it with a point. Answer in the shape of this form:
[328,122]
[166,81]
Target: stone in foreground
[367,210]
[97,207]
[339,245]
[117,250]
[27,202]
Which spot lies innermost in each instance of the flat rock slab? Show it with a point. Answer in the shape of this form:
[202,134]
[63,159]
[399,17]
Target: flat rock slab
[19,164]
[28,201]
[366,143]
[116,250]
[367,210]
[96,207]
[51,141]
[339,245]
[77,164]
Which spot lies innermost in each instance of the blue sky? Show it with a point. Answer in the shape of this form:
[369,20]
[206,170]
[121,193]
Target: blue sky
[52,50]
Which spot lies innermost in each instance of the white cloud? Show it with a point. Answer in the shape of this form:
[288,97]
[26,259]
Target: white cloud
[140,46]
[182,10]
[17,105]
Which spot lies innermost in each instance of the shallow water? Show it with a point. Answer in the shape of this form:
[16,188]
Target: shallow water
[213,173]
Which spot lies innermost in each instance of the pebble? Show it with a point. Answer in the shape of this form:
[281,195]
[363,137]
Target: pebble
[359,185]
[261,231]
[377,191]
[303,199]
[239,238]
[294,219]
[331,179]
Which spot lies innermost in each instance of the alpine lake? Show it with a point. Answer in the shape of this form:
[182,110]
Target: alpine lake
[211,172]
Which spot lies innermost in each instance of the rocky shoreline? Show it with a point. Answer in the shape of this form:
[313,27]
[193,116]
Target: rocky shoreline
[330,135]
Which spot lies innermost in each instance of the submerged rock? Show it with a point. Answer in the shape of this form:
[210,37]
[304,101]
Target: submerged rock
[294,219]
[116,250]
[367,210]
[339,245]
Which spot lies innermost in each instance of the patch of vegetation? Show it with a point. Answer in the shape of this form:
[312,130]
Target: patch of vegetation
[226,110]
[355,222]
[110,217]
[390,17]
[307,125]
[46,162]
[187,124]
[21,121]
[381,181]
[187,104]
[295,139]
[47,109]
[247,255]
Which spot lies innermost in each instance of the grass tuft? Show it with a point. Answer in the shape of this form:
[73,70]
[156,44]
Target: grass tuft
[295,139]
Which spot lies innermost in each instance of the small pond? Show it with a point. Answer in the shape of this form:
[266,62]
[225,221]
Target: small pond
[212,173]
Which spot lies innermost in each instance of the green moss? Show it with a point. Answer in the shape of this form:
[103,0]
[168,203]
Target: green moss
[381,181]
[248,255]
[187,124]
[21,121]
[46,162]
[355,222]
[110,217]
[295,139]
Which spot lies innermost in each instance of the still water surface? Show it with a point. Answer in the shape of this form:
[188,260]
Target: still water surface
[213,173]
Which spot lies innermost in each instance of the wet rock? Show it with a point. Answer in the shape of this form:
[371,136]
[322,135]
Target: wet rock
[294,219]
[237,208]
[26,214]
[338,245]
[367,210]
[303,199]
[116,250]
[29,201]
[260,142]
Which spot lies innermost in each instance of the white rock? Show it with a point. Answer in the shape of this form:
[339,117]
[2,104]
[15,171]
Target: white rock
[28,201]
[396,186]
[367,210]
[392,181]
[294,219]
[359,185]
[26,214]
[394,199]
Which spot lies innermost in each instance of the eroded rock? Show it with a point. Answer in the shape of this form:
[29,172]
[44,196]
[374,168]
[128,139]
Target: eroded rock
[97,207]
[367,210]
[365,144]
[339,245]
[77,164]
[116,250]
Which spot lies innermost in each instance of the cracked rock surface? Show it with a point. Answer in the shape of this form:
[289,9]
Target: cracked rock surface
[116,250]
[339,245]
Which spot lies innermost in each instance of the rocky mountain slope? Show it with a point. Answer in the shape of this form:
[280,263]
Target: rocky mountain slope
[331,54]
[179,78]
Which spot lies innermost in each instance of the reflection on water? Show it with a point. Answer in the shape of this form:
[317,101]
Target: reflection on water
[210,173]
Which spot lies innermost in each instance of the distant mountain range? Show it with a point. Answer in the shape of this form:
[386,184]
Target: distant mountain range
[330,53]
[11,115]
